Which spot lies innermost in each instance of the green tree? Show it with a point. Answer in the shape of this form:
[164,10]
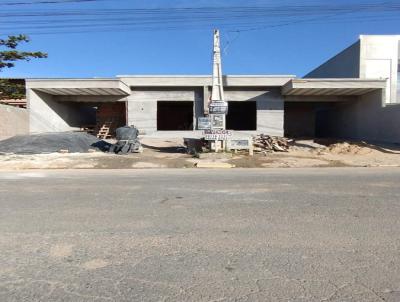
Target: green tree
[10,88]
[10,55]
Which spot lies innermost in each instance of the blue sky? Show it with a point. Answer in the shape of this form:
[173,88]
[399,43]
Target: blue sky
[292,49]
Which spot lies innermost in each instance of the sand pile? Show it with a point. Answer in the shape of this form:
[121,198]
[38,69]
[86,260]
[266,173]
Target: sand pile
[349,148]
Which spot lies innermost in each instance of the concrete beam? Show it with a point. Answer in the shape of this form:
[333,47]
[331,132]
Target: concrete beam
[79,86]
[332,86]
[200,81]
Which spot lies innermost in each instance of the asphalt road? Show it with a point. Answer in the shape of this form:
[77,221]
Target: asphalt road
[199,235]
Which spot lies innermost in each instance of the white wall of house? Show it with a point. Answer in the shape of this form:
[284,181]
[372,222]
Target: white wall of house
[374,116]
[379,58]
[372,57]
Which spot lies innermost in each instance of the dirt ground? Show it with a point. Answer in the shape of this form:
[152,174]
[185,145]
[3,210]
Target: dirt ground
[171,153]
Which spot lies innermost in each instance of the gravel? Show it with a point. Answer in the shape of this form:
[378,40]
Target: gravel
[74,142]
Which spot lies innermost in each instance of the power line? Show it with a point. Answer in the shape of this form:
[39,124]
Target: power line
[234,18]
[18,3]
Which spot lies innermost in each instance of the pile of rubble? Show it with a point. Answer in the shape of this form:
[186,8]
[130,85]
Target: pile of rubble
[268,143]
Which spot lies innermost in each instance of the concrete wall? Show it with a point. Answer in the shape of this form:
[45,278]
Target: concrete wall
[173,81]
[344,65]
[270,107]
[312,116]
[142,105]
[367,119]
[299,119]
[372,57]
[379,59]
[356,118]
[13,121]
[48,113]
[44,113]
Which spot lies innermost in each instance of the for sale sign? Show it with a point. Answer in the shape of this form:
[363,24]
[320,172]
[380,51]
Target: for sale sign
[218,107]
[204,123]
[217,135]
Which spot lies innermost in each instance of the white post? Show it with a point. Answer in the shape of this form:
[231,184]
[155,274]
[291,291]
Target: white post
[217,84]
[217,93]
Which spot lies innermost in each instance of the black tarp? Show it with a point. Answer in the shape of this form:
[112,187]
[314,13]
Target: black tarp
[74,142]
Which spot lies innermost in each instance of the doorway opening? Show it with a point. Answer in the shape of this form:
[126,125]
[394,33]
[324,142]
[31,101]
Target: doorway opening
[174,116]
[242,116]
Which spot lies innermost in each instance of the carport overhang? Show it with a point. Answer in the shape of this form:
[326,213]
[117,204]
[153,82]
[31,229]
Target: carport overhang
[332,87]
[79,87]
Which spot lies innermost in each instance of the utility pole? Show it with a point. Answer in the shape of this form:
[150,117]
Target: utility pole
[218,107]
[217,84]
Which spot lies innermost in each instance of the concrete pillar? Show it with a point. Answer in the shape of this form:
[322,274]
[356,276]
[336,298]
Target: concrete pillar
[206,98]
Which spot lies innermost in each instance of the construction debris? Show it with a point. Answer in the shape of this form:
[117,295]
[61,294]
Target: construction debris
[194,146]
[63,142]
[21,103]
[267,143]
[128,141]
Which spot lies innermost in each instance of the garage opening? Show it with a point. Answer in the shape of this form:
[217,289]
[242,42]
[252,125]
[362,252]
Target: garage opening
[99,119]
[310,119]
[109,117]
[174,116]
[242,116]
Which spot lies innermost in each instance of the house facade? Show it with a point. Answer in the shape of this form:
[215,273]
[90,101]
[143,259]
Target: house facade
[353,95]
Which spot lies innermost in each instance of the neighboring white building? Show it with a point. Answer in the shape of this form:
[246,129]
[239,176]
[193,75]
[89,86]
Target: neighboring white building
[350,96]
[371,57]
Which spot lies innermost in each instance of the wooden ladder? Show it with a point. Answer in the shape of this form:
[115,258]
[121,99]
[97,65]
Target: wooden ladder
[104,131]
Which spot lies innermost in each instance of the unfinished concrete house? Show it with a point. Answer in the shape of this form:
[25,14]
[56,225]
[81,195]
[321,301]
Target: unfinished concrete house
[353,95]
[153,103]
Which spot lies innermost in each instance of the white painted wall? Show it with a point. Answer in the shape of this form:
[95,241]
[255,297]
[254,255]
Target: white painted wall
[372,57]
[379,58]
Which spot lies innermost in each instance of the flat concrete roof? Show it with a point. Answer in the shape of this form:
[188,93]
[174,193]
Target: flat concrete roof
[388,36]
[332,86]
[121,85]
[79,86]
[204,80]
